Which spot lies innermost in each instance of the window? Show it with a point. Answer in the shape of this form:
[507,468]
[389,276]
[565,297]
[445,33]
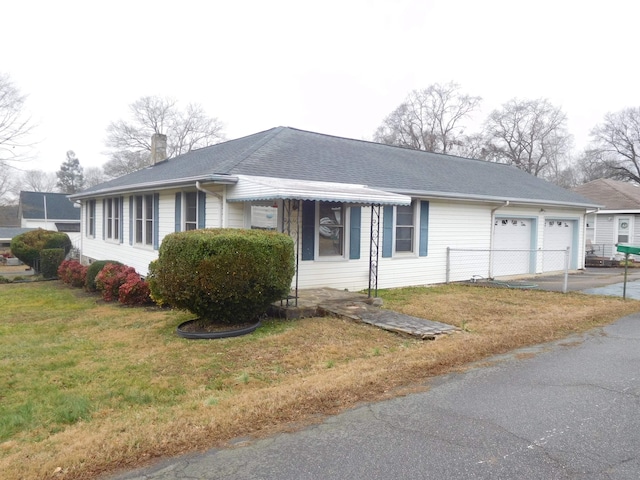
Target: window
[264,217]
[404,228]
[91,218]
[191,211]
[330,229]
[624,230]
[112,218]
[143,219]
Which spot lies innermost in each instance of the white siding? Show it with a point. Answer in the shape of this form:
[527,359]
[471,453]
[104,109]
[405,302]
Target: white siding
[451,224]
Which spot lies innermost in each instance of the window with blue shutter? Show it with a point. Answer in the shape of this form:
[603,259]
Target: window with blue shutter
[202,205]
[424,228]
[156,223]
[308,229]
[387,231]
[131,220]
[178,212]
[354,233]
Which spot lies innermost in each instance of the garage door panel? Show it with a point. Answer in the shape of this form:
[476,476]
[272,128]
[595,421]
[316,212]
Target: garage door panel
[558,236]
[512,245]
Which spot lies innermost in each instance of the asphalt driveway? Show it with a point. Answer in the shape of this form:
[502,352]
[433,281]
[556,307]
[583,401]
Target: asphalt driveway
[599,281]
[564,410]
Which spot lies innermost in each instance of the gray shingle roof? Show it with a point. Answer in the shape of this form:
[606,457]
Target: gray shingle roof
[612,194]
[285,152]
[7,233]
[59,207]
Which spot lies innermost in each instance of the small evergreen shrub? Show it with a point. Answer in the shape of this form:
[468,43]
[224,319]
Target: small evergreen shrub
[50,260]
[28,246]
[92,272]
[73,273]
[228,275]
[5,280]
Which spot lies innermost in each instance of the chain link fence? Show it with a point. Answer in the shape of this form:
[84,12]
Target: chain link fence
[468,264]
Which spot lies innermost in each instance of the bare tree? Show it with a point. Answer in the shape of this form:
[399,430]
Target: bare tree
[124,161]
[429,119]
[129,141]
[38,181]
[7,176]
[616,144]
[94,176]
[15,127]
[529,134]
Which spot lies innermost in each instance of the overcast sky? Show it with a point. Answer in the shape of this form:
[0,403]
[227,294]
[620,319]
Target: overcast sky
[335,66]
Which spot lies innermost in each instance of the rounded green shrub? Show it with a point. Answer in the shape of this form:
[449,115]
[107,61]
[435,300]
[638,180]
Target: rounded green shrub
[27,246]
[92,273]
[50,260]
[227,275]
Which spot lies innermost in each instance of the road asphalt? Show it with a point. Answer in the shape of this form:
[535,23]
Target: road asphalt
[563,410]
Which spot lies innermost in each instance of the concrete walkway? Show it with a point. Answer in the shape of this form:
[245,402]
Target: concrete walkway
[359,308]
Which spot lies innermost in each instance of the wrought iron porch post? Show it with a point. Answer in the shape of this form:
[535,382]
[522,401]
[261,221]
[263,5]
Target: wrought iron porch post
[374,247]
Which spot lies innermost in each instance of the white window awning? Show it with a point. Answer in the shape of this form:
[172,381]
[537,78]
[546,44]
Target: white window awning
[250,188]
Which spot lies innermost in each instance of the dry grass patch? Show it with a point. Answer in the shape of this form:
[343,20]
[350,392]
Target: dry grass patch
[87,388]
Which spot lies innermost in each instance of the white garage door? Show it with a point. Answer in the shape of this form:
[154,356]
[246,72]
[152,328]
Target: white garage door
[512,245]
[558,235]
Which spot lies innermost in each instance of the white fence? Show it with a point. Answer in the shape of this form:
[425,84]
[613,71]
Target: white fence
[465,264]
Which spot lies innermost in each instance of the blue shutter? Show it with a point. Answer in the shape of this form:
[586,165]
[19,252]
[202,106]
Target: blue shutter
[387,231]
[354,234]
[104,218]
[178,211]
[424,228]
[131,220]
[121,220]
[308,229]
[202,205]
[156,223]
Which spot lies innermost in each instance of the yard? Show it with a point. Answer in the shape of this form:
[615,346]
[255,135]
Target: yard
[88,388]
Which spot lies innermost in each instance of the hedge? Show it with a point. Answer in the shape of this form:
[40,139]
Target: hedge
[228,275]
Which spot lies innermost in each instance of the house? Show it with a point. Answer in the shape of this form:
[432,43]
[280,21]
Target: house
[618,221]
[362,214]
[50,211]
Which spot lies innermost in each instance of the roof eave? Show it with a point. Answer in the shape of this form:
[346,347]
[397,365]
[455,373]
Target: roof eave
[490,198]
[156,185]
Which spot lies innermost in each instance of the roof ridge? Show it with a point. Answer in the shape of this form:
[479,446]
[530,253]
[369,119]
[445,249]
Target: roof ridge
[371,142]
[247,152]
[618,186]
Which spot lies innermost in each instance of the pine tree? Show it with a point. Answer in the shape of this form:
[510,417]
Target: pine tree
[70,176]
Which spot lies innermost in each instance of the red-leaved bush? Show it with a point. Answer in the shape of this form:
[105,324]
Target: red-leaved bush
[119,282]
[134,291]
[73,273]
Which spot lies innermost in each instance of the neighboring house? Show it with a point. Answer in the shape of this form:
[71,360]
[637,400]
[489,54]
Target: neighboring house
[50,211]
[7,234]
[9,226]
[361,213]
[617,221]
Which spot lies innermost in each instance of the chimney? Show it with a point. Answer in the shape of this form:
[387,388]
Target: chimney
[158,148]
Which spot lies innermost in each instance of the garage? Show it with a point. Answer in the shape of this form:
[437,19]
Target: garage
[558,235]
[512,246]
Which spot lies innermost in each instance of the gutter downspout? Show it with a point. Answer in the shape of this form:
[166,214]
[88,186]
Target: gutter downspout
[83,224]
[493,227]
[218,196]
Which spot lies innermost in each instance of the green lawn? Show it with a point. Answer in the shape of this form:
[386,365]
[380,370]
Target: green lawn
[88,387]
